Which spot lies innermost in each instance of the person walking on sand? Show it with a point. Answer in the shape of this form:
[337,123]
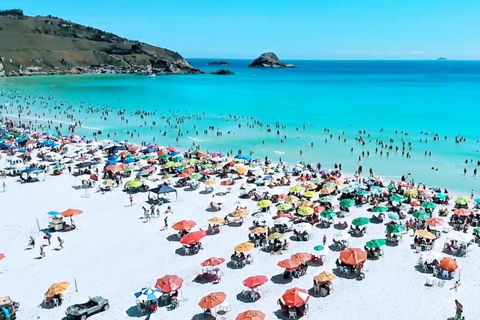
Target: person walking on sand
[42,251]
[324,239]
[47,237]
[165,221]
[458,310]
[60,242]
[4,186]
[456,285]
[131,200]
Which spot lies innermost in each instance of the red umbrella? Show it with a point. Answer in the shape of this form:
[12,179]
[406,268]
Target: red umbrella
[255,281]
[301,257]
[284,215]
[448,264]
[210,262]
[295,297]
[251,315]
[353,256]
[318,209]
[184,224]
[288,264]
[435,222]
[71,212]
[462,212]
[163,152]
[193,237]
[169,283]
[212,300]
[2,256]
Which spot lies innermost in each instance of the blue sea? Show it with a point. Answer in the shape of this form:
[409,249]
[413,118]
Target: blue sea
[406,101]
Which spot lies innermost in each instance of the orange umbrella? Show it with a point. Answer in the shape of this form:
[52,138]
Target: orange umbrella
[210,262]
[71,212]
[301,257]
[295,297]
[415,203]
[169,283]
[189,170]
[56,288]
[353,256]
[251,315]
[462,212]
[241,170]
[184,175]
[448,264]
[318,209]
[114,168]
[212,300]
[255,281]
[288,264]
[435,222]
[2,256]
[193,237]
[184,225]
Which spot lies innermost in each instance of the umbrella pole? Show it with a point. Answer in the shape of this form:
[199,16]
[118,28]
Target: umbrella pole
[38,225]
[76,288]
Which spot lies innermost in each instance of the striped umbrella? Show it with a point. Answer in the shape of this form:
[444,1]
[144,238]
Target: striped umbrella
[148,294]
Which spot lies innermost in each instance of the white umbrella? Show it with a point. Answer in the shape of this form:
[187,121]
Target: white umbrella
[460,237]
[301,227]
[429,256]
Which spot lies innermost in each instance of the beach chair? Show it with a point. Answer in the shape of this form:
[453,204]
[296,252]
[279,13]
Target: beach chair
[292,314]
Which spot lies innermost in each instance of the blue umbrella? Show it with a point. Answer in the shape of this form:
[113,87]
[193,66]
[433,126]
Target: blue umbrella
[110,163]
[268,178]
[53,213]
[129,160]
[113,158]
[148,294]
[393,216]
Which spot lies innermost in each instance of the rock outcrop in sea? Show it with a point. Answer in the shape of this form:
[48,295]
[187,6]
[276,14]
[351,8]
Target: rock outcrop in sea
[49,45]
[218,63]
[269,60]
[223,72]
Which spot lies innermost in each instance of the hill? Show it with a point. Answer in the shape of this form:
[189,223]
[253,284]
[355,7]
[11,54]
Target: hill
[50,45]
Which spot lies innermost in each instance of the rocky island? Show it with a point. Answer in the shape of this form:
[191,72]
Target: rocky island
[218,63]
[49,45]
[269,60]
[223,72]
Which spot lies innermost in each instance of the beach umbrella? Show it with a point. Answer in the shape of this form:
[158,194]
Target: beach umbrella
[108,182]
[353,256]
[71,212]
[379,209]
[296,189]
[348,190]
[295,297]
[184,225]
[477,200]
[310,194]
[284,207]
[441,196]
[241,170]
[476,230]
[255,281]
[264,203]
[305,203]
[395,228]
[216,220]
[212,300]
[448,264]
[361,221]
[327,190]
[56,288]
[328,214]
[363,193]
[326,199]
[305,211]
[148,294]
[2,256]
[244,247]
[325,276]
[251,315]
[429,256]
[428,205]
[411,193]
[289,264]
[426,234]
[347,203]
[393,216]
[211,262]
[240,213]
[397,198]
[415,203]
[321,249]
[196,176]
[275,235]
[53,213]
[301,257]
[377,243]
[169,283]
[301,227]
[193,237]
[460,236]
[421,215]
[463,201]
[291,198]
[58,167]
[259,230]
[435,222]
[462,212]
[134,183]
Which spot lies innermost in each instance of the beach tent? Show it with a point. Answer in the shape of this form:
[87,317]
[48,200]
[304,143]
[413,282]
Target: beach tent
[164,189]
[31,174]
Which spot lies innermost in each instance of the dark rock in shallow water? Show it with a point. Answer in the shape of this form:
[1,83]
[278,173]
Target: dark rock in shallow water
[269,60]
[223,72]
[218,63]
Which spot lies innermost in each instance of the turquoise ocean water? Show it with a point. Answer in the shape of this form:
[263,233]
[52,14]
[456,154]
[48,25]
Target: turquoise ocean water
[415,98]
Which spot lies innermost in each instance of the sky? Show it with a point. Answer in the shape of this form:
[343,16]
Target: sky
[300,29]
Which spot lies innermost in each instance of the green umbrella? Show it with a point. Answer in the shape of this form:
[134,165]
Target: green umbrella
[476,230]
[390,187]
[379,209]
[377,243]
[441,196]
[348,190]
[165,156]
[128,156]
[284,207]
[207,166]
[319,248]
[58,167]
[148,156]
[310,194]
[264,203]
[328,214]
[421,215]
[347,203]
[395,228]
[296,188]
[177,158]
[305,211]
[169,164]
[134,184]
[477,200]
[326,199]
[361,221]
[397,198]
[196,176]
[193,161]
[428,205]
[463,201]
[363,193]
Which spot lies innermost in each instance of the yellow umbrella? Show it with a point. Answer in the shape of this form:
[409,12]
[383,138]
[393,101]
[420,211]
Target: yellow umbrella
[426,234]
[264,203]
[296,188]
[275,235]
[259,230]
[56,288]
[240,213]
[325,276]
[310,194]
[244,247]
[209,182]
[410,193]
[305,211]
[241,170]
[216,220]
[108,182]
